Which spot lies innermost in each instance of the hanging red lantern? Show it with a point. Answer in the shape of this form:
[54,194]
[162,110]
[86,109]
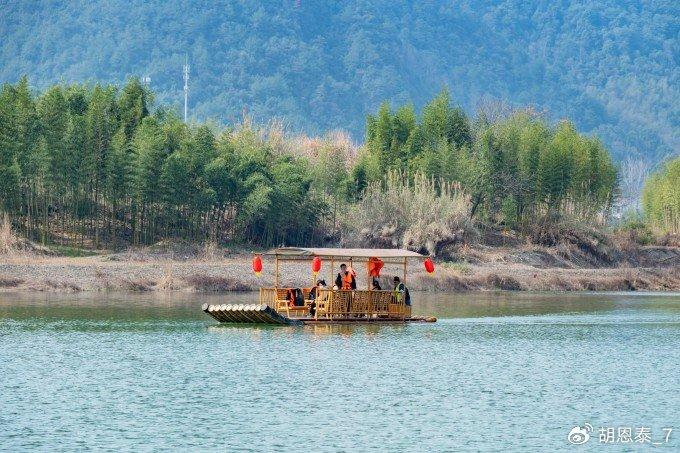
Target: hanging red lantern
[374,266]
[257,264]
[429,265]
[316,265]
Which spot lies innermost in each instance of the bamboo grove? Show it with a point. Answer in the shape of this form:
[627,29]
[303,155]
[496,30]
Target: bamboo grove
[515,166]
[661,198]
[92,166]
[97,166]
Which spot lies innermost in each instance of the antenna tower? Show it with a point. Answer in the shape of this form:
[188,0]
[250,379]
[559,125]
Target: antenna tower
[186,87]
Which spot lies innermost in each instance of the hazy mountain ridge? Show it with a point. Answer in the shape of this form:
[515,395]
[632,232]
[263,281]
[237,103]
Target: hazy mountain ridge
[320,65]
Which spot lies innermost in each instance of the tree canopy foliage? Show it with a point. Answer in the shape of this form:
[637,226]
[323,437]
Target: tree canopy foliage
[95,165]
[514,167]
[661,197]
[92,164]
[609,66]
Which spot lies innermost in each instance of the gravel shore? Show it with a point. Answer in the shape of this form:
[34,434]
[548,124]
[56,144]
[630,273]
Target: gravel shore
[506,269]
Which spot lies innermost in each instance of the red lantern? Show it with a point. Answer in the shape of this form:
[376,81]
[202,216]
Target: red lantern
[374,266]
[429,265]
[257,264]
[316,265]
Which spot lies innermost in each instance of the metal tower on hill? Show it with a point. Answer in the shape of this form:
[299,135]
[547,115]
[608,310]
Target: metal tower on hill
[186,87]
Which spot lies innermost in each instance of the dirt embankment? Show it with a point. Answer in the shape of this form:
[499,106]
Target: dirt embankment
[573,261]
[541,269]
[506,264]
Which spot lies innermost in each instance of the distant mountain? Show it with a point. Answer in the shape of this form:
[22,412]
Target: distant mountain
[611,66]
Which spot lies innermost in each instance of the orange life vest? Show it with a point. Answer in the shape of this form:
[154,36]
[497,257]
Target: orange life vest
[347,280]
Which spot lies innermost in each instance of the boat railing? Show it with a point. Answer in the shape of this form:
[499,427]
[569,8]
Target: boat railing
[333,304]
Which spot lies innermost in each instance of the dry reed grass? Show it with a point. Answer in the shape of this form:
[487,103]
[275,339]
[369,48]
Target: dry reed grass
[167,282]
[52,285]
[138,284]
[211,251]
[275,135]
[10,282]
[9,242]
[418,213]
[200,282]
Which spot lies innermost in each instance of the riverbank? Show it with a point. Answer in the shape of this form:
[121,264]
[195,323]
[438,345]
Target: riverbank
[524,268]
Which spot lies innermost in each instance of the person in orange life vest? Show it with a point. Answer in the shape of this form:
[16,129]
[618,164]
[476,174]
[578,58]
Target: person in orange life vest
[345,279]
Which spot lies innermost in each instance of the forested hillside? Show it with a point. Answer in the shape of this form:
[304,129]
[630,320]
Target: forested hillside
[612,67]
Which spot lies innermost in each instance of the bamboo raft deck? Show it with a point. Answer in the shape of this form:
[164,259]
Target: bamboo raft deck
[248,314]
[264,314]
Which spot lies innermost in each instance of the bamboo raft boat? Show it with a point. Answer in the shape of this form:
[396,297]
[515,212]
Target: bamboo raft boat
[322,305]
[246,314]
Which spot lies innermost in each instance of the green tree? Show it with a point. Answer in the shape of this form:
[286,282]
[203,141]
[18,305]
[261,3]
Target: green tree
[9,166]
[555,167]
[133,105]
[149,149]
[661,197]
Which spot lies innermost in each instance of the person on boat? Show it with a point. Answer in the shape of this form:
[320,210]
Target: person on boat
[320,284]
[345,279]
[313,294]
[400,290]
[296,298]
[375,286]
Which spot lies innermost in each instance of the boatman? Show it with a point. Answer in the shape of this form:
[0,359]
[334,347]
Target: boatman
[400,290]
[345,279]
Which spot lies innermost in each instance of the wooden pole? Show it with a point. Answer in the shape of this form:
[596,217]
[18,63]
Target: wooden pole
[369,280]
[403,296]
[351,266]
[313,280]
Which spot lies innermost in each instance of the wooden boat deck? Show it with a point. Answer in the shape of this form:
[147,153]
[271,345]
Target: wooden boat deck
[337,304]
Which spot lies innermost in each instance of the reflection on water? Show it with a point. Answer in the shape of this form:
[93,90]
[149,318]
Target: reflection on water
[186,306]
[499,371]
[491,304]
[318,330]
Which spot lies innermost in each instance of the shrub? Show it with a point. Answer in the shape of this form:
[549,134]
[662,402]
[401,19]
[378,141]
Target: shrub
[419,213]
[638,232]
[211,283]
[8,240]
[9,282]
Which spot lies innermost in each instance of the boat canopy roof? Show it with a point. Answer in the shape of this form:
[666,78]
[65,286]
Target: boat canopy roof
[303,252]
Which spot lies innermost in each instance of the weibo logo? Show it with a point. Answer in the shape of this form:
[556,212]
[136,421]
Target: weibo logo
[579,435]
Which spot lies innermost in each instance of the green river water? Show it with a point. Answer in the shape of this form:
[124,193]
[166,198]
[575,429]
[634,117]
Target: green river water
[497,372]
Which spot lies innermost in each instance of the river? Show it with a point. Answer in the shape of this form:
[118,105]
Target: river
[497,372]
